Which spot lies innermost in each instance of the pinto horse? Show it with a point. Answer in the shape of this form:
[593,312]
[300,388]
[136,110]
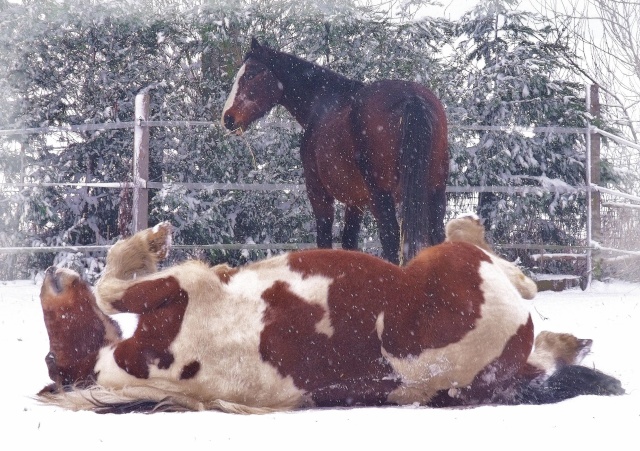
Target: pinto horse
[310,328]
[367,146]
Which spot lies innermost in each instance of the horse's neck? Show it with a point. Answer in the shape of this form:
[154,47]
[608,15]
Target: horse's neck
[300,109]
[306,85]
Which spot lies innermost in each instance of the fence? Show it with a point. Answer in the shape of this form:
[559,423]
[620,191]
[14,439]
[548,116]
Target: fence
[141,185]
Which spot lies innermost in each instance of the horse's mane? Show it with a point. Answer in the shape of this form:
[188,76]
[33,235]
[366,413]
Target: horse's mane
[141,399]
[307,76]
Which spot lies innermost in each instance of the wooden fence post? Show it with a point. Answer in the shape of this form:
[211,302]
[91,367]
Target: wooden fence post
[596,223]
[140,208]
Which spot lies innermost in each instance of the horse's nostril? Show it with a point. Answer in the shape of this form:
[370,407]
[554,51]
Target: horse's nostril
[229,122]
[54,280]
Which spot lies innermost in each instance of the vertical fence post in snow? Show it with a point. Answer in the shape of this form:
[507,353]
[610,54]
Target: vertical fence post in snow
[596,223]
[589,193]
[141,163]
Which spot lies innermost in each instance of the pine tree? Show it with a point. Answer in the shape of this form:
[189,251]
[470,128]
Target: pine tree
[512,76]
[64,64]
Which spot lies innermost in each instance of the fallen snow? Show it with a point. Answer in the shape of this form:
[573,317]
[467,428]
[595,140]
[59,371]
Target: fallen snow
[607,313]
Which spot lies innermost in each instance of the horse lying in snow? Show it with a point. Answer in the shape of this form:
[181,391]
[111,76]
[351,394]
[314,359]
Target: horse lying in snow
[308,328]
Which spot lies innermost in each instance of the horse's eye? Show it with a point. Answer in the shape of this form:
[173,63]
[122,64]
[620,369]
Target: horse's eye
[251,75]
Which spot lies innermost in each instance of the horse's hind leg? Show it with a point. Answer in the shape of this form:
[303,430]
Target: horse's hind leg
[323,210]
[324,213]
[132,259]
[384,209]
[320,199]
[139,255]
[352,220]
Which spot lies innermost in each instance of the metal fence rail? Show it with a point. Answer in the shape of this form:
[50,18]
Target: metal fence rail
[140,184]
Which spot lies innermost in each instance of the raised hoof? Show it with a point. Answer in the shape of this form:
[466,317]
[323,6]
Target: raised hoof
[159,239]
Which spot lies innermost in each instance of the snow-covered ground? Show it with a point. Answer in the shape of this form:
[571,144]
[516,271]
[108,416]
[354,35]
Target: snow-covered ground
[608,313]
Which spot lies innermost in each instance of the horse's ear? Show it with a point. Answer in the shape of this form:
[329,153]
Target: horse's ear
[255,44]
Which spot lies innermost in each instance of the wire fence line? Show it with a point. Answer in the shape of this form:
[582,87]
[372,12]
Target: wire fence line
[197,123]
[614,192]
[524,190]
[68,128]
[617,139]
[374,244]
[227,247]
[248,186]
[141,183]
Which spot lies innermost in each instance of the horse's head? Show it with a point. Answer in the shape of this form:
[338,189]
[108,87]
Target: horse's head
[255,90]
[77,329]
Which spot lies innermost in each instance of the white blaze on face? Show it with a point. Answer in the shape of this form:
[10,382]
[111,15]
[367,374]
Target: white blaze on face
[234,91]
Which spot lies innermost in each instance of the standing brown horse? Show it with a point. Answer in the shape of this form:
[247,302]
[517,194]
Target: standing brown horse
[366,145]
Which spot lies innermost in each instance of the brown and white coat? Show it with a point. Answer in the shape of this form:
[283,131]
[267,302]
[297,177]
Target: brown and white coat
[309,328]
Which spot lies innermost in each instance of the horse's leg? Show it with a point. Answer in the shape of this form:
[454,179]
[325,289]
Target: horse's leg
[128,261]
[323,210]
[384,209]
[320,199]
[352,220]
[130,283]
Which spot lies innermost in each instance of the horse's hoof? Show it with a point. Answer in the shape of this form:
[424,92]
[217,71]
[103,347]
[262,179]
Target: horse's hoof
[160,239]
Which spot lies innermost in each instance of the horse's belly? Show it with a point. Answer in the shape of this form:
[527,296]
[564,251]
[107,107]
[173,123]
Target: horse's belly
[336,161]
[345,183]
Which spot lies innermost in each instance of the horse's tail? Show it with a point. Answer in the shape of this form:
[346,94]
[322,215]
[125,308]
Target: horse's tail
[418,146]
[568,382]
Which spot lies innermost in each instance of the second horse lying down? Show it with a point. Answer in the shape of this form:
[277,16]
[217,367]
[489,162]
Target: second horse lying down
[304,329]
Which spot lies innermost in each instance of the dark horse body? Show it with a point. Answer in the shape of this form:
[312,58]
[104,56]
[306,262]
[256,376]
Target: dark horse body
[367,146]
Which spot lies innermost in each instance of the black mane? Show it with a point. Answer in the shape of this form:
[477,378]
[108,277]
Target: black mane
[300,76]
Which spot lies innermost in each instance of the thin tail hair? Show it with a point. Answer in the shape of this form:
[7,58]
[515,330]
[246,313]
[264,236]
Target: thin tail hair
[568,382]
